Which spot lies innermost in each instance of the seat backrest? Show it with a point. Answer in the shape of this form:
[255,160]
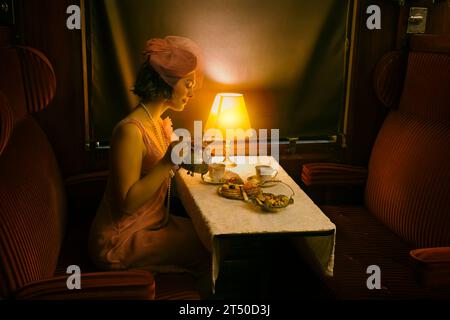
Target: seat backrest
[32,200]
[409,170]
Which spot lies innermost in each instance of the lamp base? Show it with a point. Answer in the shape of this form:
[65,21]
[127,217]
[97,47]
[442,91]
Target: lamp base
[228,163]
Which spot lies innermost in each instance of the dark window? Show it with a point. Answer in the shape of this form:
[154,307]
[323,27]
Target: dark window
[287,57]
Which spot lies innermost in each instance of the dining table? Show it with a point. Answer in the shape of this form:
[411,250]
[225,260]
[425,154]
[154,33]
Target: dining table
[216,218]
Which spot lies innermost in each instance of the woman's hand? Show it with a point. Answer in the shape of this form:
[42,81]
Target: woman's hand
[181,154]
[175,158]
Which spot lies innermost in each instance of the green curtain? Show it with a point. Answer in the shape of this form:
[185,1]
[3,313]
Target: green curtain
[287,57]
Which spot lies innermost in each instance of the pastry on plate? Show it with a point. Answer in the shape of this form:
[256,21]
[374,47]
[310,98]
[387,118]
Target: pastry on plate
[251,189]
[230,190]
[235,180]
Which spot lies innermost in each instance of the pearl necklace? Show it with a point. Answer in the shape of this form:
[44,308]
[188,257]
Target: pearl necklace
[164,145]
[162,142]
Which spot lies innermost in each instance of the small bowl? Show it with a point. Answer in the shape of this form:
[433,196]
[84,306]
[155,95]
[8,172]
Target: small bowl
[268,208]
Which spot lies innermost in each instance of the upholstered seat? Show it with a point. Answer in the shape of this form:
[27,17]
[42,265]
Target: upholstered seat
[37,239]
[362,241]
[406,202]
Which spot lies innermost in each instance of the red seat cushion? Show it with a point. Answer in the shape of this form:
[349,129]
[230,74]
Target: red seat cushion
[362,241]
[113,285]
[409,169]
[32,208]
[432,266]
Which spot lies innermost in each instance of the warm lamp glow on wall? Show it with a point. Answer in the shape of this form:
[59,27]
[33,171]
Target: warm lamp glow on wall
[229,112]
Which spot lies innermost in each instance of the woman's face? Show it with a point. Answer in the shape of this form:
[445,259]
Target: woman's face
[182,92]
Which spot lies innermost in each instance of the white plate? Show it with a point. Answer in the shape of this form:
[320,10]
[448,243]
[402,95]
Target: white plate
[207,179]
[257,181]
[228,175]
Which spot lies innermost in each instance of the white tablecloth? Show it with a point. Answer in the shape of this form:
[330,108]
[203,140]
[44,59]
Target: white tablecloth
[215,216]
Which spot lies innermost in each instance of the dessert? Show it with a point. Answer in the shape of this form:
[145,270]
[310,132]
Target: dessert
[251,189]
[233,190]
[230,190]
[272,202]
[235,180]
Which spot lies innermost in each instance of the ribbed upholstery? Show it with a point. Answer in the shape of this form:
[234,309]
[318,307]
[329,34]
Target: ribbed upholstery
[32,201]
[407,202]
[6,122]
[321,174]
[32,208]
[27,78]
[388,79]
[361,241]
[409,169]
[128,285]
[38,78]
[11,82]
[427,87]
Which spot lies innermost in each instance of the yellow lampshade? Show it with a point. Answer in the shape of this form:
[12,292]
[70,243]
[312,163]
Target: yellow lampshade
[228,112]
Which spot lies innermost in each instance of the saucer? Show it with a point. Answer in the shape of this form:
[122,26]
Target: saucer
[227,175]
[207,179]
[257,181]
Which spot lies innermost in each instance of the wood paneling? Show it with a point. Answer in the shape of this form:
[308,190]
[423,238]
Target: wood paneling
[42,25]
[430,43]
[438,19]
[5,35]
[366,113]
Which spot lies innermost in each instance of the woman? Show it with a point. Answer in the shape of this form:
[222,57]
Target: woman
[132,228]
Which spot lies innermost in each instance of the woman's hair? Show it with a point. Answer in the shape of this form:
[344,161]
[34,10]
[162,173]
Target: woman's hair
[149,85]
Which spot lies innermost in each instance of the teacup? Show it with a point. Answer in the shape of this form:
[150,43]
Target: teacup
[265,172]
[216,171]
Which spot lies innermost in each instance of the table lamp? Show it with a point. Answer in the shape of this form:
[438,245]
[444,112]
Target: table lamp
[229,112]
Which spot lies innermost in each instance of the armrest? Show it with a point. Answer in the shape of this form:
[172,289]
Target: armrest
[333,174]
[84,193]
[114,285]
[86,179]
[432,266]
[334,183]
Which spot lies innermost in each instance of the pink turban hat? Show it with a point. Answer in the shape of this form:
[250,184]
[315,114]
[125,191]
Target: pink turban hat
[174,58]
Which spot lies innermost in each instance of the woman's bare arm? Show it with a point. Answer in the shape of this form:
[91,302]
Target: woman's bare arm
[130,191]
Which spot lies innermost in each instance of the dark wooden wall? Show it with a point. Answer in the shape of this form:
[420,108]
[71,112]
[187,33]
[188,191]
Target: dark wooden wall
[365,111]
[41,24]
[438,20]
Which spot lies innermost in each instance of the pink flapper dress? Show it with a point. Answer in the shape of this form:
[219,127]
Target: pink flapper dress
[149,238]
